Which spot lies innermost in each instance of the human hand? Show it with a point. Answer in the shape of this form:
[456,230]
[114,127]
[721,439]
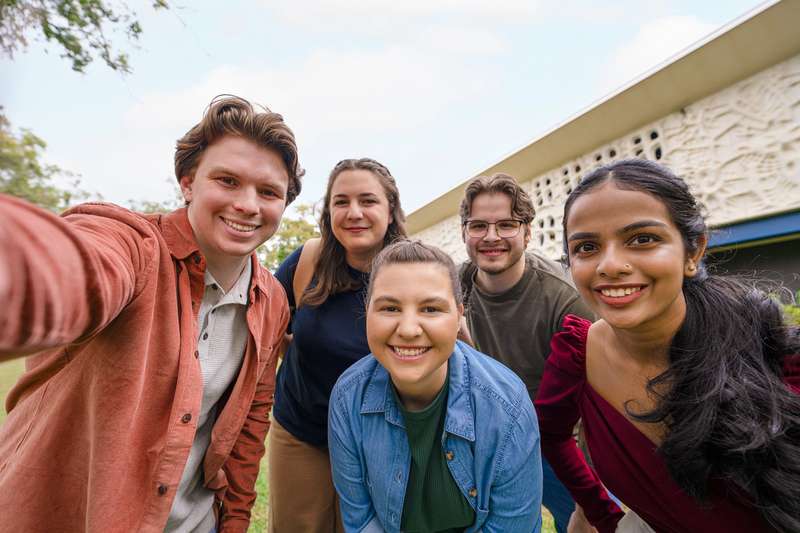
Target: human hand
[578,522]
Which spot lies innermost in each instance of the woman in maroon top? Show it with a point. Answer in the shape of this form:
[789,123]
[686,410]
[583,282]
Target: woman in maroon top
[687,385]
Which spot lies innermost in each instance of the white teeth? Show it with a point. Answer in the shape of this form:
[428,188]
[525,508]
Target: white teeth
[408,352]
[239,227]
[617,293]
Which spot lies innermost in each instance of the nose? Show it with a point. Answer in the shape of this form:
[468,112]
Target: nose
[491,233]
[408,327]
[246,201]
[613,264]
[354,211]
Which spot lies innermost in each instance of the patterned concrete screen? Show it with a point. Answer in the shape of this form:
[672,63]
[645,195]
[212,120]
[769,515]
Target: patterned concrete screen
[739,149]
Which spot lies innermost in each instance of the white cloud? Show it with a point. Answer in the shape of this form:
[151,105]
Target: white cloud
[655,42]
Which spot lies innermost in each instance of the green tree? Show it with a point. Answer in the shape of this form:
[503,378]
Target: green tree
[294,232]
[23,174]
[81,28]
[174,201]
[792,310]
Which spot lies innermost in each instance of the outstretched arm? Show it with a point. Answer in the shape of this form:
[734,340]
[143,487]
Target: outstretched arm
[65,278]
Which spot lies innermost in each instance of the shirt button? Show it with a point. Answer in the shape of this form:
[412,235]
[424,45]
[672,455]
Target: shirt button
[162,489]
[205,336]
[196,354]
[186,418]
[473,492]
[449,455]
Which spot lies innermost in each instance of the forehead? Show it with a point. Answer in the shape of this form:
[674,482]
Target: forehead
[412,282]
[609,207]
[490,206]
[244,158]
[356,182]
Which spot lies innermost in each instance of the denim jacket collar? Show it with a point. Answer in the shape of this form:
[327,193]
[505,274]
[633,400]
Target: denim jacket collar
[459,421]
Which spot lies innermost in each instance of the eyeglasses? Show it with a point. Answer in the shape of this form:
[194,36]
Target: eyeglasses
[505,228]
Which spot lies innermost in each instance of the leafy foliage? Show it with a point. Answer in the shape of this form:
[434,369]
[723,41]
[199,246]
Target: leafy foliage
[23,174]
[162,206]
[792,310]
[294,232]
[81,28]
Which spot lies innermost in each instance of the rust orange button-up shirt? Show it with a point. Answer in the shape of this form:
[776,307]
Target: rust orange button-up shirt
[101,423]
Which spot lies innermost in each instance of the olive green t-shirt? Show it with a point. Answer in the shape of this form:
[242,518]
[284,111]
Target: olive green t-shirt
[433,501]
[515,326]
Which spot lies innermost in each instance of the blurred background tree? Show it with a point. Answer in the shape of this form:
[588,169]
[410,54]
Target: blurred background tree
[23,174]
[83,30]
[294,231]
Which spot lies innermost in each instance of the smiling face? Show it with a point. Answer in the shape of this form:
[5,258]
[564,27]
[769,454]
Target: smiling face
[236,198]
[492,254]
[360,214]
[412,323]
[627,258]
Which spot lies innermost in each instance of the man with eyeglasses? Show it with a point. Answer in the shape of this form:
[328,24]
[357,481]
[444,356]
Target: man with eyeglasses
[515,301]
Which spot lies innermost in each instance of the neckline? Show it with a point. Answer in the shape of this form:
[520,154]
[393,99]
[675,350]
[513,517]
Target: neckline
[651,445]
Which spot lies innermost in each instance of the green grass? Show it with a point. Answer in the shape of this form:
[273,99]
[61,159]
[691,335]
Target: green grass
[10,371]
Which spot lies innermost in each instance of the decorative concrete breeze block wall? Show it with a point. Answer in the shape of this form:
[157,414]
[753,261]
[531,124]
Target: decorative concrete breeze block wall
[739,149]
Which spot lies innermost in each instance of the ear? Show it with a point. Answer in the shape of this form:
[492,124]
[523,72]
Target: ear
[528,232]
[690,268]
[186,183]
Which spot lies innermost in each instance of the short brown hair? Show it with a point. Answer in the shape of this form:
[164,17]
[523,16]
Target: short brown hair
[232,115]
[407,251]
[521,204]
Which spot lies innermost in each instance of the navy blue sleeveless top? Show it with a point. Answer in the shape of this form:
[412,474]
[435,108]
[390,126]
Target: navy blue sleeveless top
[327,340]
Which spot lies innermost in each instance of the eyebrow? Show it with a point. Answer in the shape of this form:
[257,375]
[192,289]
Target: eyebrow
[360,195]
[431,300]
[627,229]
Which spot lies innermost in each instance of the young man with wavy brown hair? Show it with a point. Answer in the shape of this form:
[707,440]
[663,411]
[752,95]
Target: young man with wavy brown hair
[152,342]
[515,299]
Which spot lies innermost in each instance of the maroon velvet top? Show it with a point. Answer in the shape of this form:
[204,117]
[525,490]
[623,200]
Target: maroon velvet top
[625,459]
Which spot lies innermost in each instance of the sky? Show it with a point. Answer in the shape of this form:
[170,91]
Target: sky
[437,90]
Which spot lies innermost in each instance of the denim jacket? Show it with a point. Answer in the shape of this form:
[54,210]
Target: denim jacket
[490,439]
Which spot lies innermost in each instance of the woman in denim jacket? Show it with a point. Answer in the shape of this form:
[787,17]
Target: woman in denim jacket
[427,434]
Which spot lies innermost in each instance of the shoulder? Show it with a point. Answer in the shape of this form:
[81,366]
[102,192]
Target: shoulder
[549,271]
[568,346]
[290,262]
[491,379]
[144,224]
[269,283]
[351,386]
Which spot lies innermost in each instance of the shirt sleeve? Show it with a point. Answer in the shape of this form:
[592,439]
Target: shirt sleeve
[355,502]
[557,406]
[64,278]
[516,498]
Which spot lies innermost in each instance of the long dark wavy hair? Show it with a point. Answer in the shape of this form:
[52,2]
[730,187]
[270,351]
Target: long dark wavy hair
[728,413]
[331,267]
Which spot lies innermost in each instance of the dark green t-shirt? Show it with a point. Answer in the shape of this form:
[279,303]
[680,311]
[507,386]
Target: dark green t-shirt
[515,326]
[433,501]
